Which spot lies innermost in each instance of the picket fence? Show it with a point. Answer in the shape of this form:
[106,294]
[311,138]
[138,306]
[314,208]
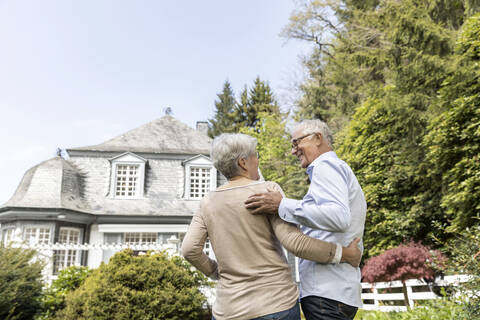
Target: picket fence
[379,296]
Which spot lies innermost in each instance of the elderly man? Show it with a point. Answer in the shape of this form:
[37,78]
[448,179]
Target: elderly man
[333,210]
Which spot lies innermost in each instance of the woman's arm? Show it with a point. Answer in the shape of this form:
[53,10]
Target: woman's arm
[313,249]
[192,248]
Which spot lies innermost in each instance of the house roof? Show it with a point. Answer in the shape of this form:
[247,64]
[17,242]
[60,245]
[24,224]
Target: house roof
[164,135]
[54,183]
[82,183]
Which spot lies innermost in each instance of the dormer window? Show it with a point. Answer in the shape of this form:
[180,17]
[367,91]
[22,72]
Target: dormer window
[128,175]
[126,184]
[200,177]
[199,182]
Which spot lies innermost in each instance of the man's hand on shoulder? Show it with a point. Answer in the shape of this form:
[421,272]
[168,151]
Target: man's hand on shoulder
[267,202]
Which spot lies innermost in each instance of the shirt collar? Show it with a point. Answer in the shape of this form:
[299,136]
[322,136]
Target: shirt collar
[323,156]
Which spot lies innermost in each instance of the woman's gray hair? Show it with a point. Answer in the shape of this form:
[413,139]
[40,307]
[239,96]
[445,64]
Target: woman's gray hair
[316,126]
[228,148]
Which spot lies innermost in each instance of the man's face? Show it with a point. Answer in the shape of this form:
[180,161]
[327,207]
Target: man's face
[305,147]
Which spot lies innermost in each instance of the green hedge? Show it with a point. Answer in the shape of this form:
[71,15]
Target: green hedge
[151,286]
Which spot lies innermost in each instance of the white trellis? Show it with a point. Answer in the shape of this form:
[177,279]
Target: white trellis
[423,292]
[46,251]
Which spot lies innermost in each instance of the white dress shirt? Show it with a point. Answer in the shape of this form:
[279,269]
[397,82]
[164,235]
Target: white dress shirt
[333,210]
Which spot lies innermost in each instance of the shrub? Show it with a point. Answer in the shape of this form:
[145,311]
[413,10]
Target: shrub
[465,252]
[20,283]
[151,286]
[442,309]
[68,280]
[410,261]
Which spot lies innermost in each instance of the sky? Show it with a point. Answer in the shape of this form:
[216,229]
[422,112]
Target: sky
[76,73]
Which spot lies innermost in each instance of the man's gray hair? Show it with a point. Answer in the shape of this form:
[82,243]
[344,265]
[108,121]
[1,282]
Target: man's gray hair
[317,126]
[228,148]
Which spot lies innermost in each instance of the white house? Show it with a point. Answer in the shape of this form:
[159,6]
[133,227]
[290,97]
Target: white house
[138,189]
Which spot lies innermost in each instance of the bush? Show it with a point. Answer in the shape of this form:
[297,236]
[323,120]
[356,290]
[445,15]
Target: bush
[435,310]
[68,280]
[20,283]
[410,261]
[151,286]
[465,252]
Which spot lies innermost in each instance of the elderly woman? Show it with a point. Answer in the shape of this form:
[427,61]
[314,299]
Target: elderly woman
[255,281]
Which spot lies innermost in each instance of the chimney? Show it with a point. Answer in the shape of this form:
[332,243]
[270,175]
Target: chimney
[202,127]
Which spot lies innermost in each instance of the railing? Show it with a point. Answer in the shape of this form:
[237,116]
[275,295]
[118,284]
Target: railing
[379,295]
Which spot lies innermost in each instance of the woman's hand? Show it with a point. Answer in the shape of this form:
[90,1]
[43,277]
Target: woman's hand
[352,253]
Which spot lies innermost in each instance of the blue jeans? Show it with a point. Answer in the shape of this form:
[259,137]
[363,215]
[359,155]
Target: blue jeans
[319,308]
[290,314]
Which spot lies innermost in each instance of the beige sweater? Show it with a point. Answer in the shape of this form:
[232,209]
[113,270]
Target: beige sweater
[254,278]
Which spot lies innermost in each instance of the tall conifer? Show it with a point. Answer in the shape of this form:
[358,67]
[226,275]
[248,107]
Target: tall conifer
[225,115]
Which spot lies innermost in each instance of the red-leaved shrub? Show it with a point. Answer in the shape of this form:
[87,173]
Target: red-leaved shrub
[407,261]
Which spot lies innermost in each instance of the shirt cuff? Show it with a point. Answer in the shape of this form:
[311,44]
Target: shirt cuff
[338,255]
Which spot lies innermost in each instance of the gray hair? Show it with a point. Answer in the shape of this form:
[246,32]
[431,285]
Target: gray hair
[228,148]
[316,126]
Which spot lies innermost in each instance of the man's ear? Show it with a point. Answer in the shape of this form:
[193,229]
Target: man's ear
[320,139]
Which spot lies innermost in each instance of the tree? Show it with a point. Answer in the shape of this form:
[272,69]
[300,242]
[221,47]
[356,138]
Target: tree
[375,77]
[225,112]
[381,146]
[20,283]
[276,161]
[452,159]
[150,286]
[259,99]
[410,261]
[231,116]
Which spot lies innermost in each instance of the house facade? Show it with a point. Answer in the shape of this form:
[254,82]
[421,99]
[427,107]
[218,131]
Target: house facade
[138,189]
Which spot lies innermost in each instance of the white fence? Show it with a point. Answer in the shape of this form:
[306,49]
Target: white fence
[380,292]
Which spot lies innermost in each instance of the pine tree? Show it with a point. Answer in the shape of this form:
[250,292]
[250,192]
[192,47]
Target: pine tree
[258,99]
[225,107]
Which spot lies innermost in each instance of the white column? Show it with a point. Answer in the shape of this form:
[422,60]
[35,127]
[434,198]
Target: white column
[95,256]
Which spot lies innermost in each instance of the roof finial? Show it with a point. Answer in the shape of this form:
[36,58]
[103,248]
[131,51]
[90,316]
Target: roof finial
[168,111]
[59,152]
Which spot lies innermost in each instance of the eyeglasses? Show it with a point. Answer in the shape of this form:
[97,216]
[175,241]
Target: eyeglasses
[296,141]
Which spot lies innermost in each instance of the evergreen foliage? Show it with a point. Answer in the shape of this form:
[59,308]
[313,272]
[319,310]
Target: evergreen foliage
[225,112]
[452,162]
[401,94]
[465,251]
[20,283]
[231,116]
[151,286]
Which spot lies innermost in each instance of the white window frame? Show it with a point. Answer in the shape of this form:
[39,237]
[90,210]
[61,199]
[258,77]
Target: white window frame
[37,234]
[6,239]
[128,159]
[201,162]
[141,237]
[78,254]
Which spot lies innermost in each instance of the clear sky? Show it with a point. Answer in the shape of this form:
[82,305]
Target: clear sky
[79,72]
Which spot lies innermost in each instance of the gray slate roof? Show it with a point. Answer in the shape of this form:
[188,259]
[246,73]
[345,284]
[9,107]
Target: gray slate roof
[82,183]
[54,183]
[164,135]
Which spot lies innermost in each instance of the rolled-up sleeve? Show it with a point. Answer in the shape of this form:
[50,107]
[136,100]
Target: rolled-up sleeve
[192,247]
[325,206]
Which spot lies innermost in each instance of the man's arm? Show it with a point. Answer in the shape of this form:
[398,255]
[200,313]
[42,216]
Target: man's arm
[325,207]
